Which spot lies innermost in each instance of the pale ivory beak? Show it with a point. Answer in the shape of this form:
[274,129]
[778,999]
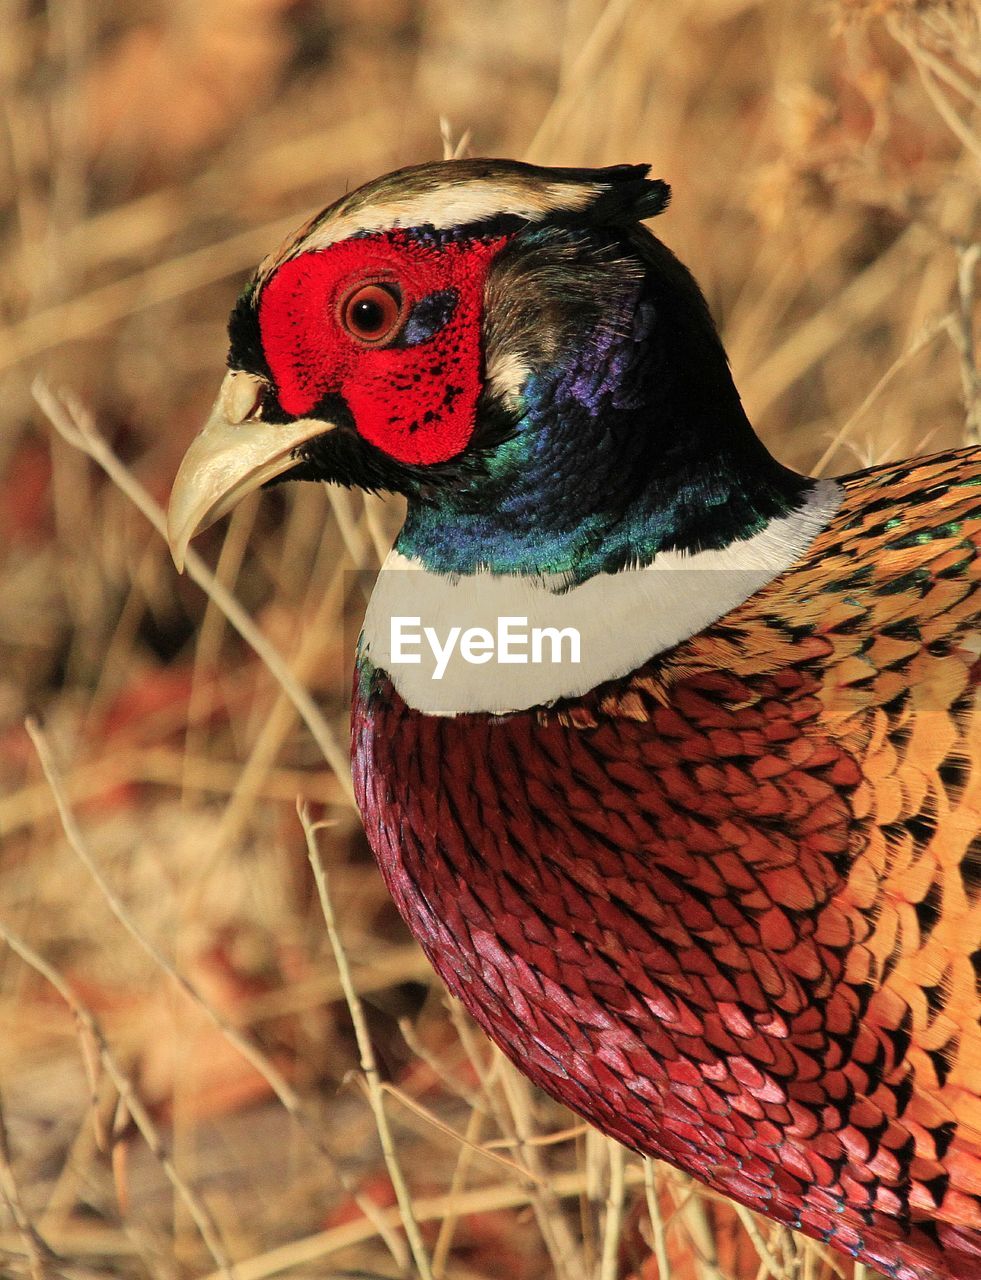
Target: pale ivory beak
[234,453]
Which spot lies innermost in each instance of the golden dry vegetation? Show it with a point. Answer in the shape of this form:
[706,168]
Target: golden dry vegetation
[184,1092]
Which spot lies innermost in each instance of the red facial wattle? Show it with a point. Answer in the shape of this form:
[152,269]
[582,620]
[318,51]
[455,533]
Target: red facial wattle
[414,395]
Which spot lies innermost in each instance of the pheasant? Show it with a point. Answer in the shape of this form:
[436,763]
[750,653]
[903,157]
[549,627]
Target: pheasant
[713,880]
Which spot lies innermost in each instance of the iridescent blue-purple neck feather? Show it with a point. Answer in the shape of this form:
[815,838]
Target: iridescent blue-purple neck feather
[621,448]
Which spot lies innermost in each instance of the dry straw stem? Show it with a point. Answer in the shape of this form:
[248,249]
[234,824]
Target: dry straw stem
[769,1265]
[552,1225]
[963,334]
[138,224]
[813,339]
[255,1058]
[928,68]
[35,1248]
[386,968]
[509,1195]
[461,1171]
[453,150]
[326,601]
[613,1226]
[657,1221]
[433,1121]
[552,1222]
[211,633]
[198,1211]
[75,426]
[690,1208]
[923,339]
[84,316]
[278,722]
[164,766]
[450,1082]
[688,1213]
[513,1117]
[578,81]
[368,1065]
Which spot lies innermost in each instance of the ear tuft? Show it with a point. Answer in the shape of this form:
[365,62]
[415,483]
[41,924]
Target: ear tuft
[654,199]
[629,194]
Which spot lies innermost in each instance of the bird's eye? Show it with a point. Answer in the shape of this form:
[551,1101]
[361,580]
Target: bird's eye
[372,312]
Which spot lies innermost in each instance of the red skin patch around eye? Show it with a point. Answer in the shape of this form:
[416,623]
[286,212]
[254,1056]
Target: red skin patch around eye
[417,403]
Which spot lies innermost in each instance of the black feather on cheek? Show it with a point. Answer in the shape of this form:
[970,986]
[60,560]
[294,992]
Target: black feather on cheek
[244,337]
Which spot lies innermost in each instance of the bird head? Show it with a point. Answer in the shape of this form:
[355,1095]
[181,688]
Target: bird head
[504,344]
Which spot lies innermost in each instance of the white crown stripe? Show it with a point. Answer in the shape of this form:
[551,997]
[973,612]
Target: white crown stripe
[475,201]
[443,207]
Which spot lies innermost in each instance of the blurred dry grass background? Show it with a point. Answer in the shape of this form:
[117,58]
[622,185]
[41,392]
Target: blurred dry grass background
[183,1092]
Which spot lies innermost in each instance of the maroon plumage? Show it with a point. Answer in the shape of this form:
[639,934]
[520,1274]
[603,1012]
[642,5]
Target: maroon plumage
[670,901]
[726,906]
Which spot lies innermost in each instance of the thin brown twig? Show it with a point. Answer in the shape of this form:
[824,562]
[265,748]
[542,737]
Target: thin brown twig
[278,721]
[157,765]
[690,1209]
[922,339]
[442,1127]
[578,80]
[945,109]
[312,1248]
[763,1251]
[447,1228]
[200,1214]
[542,1139]
[143,224]
[967,263]
[430,1059]
[551,1219]
[283,1091]
[944,71]
[211,632]
[832,324]
[453,150]
[656,1219]
[36,1249]
[613,1223]
[74,424]
[366,1051]
[554,1229]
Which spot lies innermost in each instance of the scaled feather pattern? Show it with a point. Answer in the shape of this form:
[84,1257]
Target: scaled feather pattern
[729,907]
[726,906]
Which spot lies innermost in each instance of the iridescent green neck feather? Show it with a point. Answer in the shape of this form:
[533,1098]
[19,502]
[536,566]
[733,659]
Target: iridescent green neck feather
[631,441]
